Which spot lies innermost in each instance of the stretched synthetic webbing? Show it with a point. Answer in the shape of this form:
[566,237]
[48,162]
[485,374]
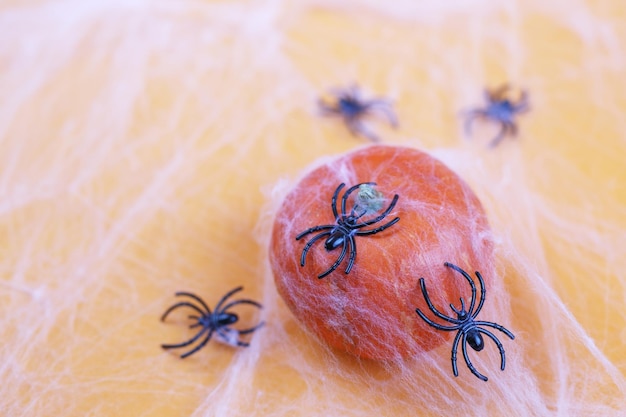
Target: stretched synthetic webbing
[146,147]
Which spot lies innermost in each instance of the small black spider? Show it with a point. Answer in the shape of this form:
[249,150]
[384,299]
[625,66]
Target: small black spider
[211,322]
[346,227]
[469,329]
[501,110]
[352,108]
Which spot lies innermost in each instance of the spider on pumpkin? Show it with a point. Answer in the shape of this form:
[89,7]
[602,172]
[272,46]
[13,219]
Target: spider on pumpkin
[346,227]
[469,329]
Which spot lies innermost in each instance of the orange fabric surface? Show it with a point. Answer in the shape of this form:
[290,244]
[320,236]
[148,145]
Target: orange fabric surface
[146,146]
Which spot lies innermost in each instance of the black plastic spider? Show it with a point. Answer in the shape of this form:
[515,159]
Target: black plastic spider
[352,108]
[501,110]
[469,329]
[346,227]
[211,322]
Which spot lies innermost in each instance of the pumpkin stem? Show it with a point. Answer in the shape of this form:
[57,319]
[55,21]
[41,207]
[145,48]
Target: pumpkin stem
[369,199]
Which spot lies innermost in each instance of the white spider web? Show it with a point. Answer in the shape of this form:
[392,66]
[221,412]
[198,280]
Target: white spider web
[144,148]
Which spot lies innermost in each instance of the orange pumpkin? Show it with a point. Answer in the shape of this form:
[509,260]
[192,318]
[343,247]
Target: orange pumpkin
[370,312]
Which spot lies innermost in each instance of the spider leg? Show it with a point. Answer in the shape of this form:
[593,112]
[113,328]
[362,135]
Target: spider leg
[497,342]
[455,346]
[242,301]
[188,342]
[182,304]
[352,91]
[378,229]
[483,293]
[456,322]
[433,324]
[308,246]
[337,262]
[357,128]
[195,297]
[333,203]
[501,134]
[497,94]
[252,329]
[469,362]
[199,346]
[352,257]
[327,109]
[512,128]
[197,324]
[385,108]
[458,312]
[469,119]
[382,215]
[522,105]
[227,296]
[314,229]
[471,282]
[495,326]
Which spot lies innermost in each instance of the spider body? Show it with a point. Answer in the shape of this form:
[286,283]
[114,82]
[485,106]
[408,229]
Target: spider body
[469,330]
[475,340]
[353,109]
[500,110]
[350,106]
[347,226]
[218,321]
[338,237]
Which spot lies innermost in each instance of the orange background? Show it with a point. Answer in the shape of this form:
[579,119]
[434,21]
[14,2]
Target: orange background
[144,148]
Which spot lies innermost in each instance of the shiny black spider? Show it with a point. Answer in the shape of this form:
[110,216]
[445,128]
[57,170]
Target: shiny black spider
[501,110]
[352,108]
[211,322]
[346,227]
[469,329]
